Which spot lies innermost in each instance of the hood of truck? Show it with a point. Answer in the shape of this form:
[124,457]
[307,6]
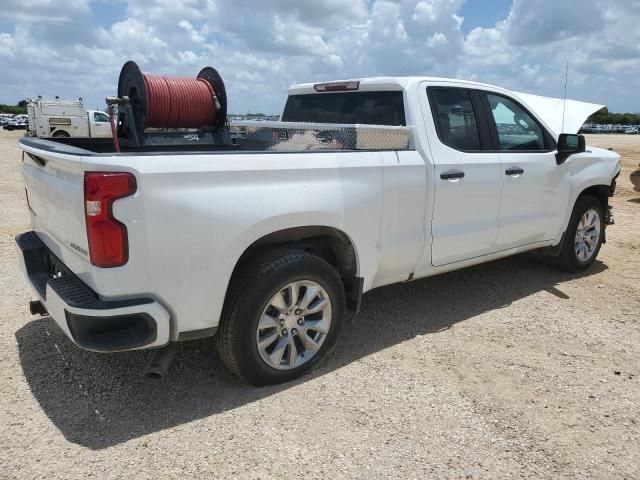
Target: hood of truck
[552,110]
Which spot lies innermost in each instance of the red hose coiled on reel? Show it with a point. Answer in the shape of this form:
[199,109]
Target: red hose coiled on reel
[172,102]
[177,102]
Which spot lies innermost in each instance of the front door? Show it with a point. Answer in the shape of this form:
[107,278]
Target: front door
[102,125]
[535,190]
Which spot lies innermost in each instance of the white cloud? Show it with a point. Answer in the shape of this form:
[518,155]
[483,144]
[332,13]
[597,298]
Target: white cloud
[7,46]
[437,40]
[432,11]
[47,11]
[194,35]
[598,38]
[132,34]
[532,22]
[260,47]
[487,46]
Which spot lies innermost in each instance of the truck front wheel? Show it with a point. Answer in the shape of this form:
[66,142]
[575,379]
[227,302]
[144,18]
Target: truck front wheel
[283,314]
[583,237]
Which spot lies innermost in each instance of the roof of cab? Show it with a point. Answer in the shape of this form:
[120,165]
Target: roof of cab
[386,83]
[560,115]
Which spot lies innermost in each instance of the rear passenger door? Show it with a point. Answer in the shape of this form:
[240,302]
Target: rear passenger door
[468,179]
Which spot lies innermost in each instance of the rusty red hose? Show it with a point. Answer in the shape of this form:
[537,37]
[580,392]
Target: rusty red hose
[177,102]
[114,133]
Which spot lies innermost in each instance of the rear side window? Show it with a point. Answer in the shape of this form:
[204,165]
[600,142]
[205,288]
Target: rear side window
[517,130]
[455,118]
[374,108]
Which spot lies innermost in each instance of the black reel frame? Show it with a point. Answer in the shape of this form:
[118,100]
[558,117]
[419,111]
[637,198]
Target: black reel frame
[132,114]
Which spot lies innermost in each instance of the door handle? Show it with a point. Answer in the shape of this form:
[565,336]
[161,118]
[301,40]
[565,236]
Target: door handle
[452,175]
[514,171]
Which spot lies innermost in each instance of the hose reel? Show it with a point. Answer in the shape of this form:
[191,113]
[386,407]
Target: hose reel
[147,101]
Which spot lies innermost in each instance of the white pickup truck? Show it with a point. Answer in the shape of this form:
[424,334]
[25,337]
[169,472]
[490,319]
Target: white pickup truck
[64,119]
[265,248]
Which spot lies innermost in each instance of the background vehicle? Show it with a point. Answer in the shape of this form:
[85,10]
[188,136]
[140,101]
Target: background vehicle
[268,239]
[63,118]
[7,118]
[18,123]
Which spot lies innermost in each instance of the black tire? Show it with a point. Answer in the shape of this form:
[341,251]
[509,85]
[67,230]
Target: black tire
[60,134]
[568,259]
[250,290]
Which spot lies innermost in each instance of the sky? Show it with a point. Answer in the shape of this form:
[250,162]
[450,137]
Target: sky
[76,48]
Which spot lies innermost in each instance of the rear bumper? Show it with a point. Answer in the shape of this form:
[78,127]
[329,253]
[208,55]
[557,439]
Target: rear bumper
[89,321]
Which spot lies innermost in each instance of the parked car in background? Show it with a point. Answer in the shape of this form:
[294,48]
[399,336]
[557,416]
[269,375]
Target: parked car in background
[6,118]
[632,130]
[19,124]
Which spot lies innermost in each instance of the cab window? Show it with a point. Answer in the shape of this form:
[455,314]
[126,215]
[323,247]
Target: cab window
[100,117]
[373,108]
[516,128]
[455,117]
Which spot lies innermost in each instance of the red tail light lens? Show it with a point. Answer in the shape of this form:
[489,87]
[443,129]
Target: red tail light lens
[108,244]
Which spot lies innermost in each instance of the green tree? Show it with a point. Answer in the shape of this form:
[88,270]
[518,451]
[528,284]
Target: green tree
[15,109]
[615,118]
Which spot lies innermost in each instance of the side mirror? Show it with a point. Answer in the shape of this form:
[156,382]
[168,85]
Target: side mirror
[568,144]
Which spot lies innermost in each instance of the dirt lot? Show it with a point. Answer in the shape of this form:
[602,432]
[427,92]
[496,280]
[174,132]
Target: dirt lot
[504,370]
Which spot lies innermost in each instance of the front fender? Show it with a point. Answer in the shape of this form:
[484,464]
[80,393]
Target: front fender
[595,167]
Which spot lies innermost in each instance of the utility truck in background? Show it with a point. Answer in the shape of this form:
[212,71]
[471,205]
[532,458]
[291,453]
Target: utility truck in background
[66,119]
[264,237]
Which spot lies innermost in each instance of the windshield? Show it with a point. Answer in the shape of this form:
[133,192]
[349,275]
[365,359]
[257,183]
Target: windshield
[374,108]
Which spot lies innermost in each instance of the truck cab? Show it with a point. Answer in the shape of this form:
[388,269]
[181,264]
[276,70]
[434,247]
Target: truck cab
[99,125]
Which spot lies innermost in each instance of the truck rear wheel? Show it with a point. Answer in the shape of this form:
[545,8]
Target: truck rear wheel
[583,237]
[61,134]
[284,312]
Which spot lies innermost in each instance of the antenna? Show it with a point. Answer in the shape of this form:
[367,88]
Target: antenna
[564,100]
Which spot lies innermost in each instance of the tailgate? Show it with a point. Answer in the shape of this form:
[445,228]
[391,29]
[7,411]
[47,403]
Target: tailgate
[54,177]
[55,194]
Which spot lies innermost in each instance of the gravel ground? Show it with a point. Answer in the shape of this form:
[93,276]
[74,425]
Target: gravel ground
[509,369]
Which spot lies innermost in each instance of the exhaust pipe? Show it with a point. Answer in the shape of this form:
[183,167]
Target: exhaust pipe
[160,362]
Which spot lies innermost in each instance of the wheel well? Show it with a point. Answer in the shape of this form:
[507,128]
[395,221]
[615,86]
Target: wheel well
[601,192]
[330,244]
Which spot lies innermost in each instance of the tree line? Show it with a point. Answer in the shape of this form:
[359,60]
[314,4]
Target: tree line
[20,107]
[615,118]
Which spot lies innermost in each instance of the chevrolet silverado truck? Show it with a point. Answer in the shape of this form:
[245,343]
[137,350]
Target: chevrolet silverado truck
[362,183]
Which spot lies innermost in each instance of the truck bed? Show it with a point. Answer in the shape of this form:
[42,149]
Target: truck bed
[247,136]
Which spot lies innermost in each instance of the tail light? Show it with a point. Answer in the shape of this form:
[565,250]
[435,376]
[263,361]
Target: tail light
[108,244]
